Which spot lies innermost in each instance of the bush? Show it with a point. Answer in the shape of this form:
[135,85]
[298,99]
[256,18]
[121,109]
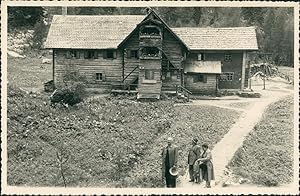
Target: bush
[72,91]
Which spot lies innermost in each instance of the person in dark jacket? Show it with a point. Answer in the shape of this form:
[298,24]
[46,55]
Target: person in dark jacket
[169,160]
[206,165]
[194,154]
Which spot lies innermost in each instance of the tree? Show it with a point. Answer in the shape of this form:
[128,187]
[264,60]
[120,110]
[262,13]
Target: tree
[278,36]
[254,16]
[24,16]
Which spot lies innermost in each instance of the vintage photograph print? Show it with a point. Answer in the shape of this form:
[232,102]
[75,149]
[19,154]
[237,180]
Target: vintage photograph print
[146,98]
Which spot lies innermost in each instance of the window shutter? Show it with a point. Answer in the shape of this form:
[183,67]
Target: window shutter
[104,54]
[205,78]
[95,54]
[68,55]
[115,54]
[86,54]
[103,76]
[77,54]
[128,52]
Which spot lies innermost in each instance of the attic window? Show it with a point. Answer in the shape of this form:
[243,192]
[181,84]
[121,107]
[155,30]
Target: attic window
[227,57]
[90,54]
[201,57]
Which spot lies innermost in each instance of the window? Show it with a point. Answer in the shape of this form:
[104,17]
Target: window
[99,76]
[73,54]
[201,57]
[90,54]
[149,75]
[227,57]
[227,76]
[199,78]
[134,54]
[110,54]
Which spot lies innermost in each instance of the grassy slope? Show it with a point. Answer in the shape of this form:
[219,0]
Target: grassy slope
[110,142]
[102,138]
[266,157]
[28,73]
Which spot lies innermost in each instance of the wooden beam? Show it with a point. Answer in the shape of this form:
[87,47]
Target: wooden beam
[243,70]
[53,65]
[123,65]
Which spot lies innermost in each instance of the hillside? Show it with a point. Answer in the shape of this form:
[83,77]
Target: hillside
[103,141]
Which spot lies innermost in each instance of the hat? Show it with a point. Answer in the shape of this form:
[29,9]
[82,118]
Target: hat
[173,171]
[205,145]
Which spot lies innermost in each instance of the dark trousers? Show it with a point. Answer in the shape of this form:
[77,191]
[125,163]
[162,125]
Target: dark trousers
[191,172]
[203,167]
[170,180]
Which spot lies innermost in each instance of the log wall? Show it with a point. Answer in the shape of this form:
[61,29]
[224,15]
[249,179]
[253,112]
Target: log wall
[172,49]
[208,87]
[130,62]
[232,66]
[110,68]
[150,86]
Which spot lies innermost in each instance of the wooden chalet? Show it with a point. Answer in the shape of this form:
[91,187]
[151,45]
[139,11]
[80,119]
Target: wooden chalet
[143,54]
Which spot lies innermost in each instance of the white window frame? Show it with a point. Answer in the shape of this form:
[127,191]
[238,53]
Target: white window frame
[100,78]
[227,76]
[227,57]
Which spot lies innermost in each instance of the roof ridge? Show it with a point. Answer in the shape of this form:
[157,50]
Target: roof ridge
[97,15]
[211,27]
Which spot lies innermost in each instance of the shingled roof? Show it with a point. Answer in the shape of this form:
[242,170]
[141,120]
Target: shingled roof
[90,32]
[235,38]
[108,31]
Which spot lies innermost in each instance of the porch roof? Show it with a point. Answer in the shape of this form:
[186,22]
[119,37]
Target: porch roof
[213,67]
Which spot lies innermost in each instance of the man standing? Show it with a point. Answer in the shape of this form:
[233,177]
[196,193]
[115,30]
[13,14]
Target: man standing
[169,160]
[194,154]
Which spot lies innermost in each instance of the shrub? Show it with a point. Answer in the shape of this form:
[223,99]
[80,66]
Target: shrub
[72,91]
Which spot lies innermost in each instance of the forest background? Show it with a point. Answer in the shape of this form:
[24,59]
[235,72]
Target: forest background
[274,25]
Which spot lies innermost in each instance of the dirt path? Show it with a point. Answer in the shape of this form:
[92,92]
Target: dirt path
[224,150]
